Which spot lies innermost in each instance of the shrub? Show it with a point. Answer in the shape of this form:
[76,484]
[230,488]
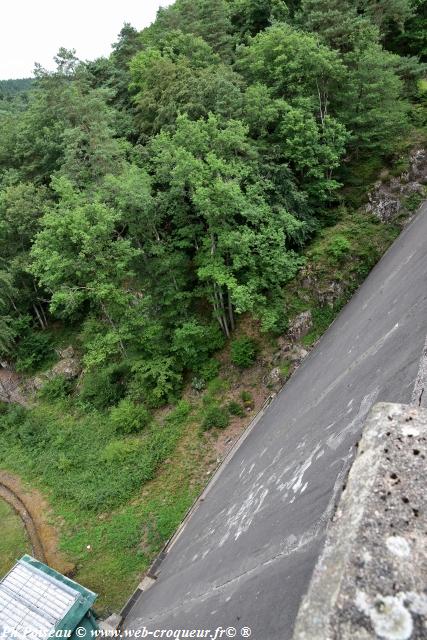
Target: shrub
[215,417]
[198,383]
[338,247]
[235,409]
[128,417]
[194,342]
[155,381]
[178,416]
[247,399]
[210,369]
[322,318]
[56,389]
[206,373]
[118,450]
[104,388]
[244,352]
[32,350]
[12,416]
[32,432]
[285,369]
[413,201]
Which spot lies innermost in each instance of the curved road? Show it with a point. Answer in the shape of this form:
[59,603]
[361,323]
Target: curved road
[246,556]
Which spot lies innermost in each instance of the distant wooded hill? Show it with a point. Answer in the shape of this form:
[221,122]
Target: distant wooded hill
[10,88]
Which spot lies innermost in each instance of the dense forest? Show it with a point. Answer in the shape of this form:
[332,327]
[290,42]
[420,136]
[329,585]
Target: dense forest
[151,199]
[14,94]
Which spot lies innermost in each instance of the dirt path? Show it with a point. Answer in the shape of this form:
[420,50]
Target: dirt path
[11,498]
[34,512]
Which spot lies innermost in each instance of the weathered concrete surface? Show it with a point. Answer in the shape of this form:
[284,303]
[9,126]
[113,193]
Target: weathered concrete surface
[371,579]
[247,554]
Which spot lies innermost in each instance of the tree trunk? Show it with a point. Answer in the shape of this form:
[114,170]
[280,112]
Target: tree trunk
[231,312]
[39,317]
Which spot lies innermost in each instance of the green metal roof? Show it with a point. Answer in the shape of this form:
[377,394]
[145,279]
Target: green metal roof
[36,601]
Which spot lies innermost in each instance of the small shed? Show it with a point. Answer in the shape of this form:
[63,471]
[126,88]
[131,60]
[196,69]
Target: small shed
[37,603]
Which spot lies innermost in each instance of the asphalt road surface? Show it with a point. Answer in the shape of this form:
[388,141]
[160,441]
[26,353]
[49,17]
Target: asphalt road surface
[246,556]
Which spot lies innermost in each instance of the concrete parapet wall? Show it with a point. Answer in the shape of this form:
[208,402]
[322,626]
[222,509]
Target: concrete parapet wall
[371,579]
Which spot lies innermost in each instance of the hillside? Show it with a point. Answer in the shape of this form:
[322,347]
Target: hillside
[13,94]
[165,215]
[10,88]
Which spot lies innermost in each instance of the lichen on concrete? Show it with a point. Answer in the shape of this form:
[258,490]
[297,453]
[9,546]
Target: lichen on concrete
[371,579]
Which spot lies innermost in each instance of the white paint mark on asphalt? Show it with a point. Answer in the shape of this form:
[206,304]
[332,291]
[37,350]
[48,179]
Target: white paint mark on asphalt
[336,439]
[373,350]
[240,517]
[297,481]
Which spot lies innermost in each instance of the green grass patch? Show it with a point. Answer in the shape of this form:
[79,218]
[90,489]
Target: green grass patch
[285,369]
[93,480]
[13,538]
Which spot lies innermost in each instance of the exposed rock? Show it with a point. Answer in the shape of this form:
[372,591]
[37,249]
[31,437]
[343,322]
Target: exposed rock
[386,199]
[276,357]
[68,367]
[37,383]
[329,295]
[383,203]
[11,389]
[67,353]
[415,187]
[300,325]
[274,380]
[17,389]
[418,166]
[284,344]
[297,354]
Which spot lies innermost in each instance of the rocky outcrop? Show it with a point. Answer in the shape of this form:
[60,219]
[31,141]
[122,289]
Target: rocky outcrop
[290,353]
[300,326]
[325,293]
[274,380]
[17,389]
[12,388]
[387,199]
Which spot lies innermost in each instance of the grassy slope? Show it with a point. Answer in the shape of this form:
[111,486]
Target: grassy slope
[118,503]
